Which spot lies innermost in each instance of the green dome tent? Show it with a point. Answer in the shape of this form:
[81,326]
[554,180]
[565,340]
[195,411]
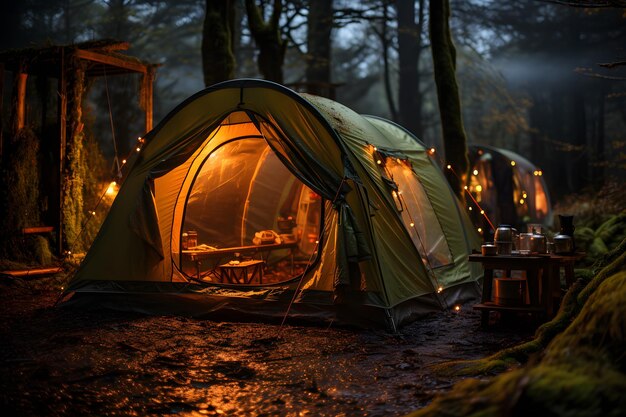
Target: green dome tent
[249,198]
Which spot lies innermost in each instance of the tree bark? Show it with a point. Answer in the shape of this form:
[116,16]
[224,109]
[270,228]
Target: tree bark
[218,60]
[385,46]
[444,61]
[319,28]
[268,39]
[409,49]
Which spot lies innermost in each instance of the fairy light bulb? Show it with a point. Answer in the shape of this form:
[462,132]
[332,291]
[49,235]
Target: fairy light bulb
[457,308]
[475,172]
[449,166]
[482,212]
[480,230]
[138,149]
[465,188]
[478,188]
[439,289]
[432,151]
[470,208]
[521,201]
[512,163]
[378,161]
[412,224]
[123,161]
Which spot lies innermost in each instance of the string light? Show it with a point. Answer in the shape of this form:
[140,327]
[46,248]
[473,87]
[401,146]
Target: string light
[432,151]
[482,212]
[524,195]
[521,201]
[512,163]
[412,224]
[378,161]
[439,289]
[465,188]
[457,308]
[111,189]
[480,230]
[478,188]
[470,208]
[123,161]
[449,166]
[475,172]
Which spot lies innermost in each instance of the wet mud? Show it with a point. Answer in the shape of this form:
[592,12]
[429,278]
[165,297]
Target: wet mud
[66,362]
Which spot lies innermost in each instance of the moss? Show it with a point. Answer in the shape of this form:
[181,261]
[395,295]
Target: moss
[571,305]
[581,372]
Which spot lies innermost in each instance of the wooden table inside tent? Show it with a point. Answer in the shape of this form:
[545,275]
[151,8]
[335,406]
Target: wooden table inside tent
[542,280]
[217,256]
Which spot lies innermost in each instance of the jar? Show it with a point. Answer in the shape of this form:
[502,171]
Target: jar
[192,239]
[184,241]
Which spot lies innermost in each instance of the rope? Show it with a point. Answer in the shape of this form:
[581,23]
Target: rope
[116,161]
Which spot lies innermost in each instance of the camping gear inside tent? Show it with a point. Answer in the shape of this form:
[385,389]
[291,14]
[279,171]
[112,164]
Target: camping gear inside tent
[508,187]
[250,198]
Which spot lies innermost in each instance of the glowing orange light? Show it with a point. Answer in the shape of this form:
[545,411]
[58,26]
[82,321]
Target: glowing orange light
[123,161]
[138,149]
[479,188]
[432,150]
[457,308]
[111,189]
[439,289]
[412,224]
[521,201]
[524,195]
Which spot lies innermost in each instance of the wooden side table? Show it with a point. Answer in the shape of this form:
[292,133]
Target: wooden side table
[242,272]
[538,282]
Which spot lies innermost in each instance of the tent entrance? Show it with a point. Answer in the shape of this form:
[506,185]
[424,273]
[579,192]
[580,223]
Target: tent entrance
[246,219]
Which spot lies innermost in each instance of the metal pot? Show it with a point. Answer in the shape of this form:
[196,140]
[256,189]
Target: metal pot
[504,233]
[563,244]
[538,243]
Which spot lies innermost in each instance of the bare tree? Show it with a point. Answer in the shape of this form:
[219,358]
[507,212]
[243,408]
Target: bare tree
[218,60]
[444,63]
[268,38]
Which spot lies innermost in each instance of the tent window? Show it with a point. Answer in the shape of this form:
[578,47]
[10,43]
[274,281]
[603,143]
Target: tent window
[248,219]
[418,215]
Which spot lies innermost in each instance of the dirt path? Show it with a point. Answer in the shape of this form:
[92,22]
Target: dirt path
[60,362]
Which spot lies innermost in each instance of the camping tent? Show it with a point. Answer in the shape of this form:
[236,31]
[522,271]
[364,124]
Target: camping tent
[508,187]
[249,197]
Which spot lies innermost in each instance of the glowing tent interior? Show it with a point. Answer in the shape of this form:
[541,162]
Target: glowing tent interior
[508,187]
[249,198]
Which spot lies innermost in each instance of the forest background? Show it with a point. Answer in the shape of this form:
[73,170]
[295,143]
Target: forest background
[540,78]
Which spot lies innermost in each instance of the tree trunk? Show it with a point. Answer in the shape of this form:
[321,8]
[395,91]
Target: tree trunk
[385,46]
[268,39]
[444,61]
[218,60]
[319,24]
[409,49]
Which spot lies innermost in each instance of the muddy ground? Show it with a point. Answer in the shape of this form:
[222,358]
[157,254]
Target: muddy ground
[66,362]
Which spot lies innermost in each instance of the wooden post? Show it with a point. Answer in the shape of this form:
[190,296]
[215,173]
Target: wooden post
[20,118]
[148,98]
[62,120]
[1,101]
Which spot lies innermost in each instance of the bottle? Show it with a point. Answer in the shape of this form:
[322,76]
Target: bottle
[184,242]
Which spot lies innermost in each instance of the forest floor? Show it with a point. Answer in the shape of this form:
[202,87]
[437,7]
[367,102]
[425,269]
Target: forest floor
[61,362]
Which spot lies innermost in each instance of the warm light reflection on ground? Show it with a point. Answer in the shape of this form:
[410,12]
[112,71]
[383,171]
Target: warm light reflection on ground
[62,362]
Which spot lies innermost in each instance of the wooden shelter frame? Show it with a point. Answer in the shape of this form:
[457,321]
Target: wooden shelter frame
[96,59]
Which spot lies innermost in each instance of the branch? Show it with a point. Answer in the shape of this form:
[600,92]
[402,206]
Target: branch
[589,4]
[612,64]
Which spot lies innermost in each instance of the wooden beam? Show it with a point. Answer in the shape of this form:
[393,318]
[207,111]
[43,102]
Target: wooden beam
[1,101]
[148,99]
[111,60]
[37,230]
